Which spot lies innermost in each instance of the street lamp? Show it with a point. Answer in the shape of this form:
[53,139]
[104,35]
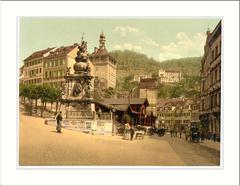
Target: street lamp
[113,120]
[130,94]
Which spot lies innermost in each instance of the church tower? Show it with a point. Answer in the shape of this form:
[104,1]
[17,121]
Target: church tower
[104,64]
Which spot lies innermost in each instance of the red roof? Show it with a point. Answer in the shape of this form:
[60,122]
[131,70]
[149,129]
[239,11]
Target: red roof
[61,51]
[148,83]
[100,52]
[38,54]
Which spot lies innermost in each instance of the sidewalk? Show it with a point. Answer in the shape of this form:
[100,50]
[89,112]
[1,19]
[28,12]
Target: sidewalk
[211,144]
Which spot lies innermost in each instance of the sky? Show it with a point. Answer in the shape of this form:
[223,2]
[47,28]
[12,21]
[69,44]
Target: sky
[159,38]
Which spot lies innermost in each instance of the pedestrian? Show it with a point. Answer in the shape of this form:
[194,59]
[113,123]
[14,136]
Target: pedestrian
[175,132]
[131,131]
[59,122]
[171,132]
[214,136]
[126,131]
[180,133]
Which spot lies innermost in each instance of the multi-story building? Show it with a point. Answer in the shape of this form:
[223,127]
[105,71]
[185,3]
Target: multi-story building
[137,78]
[104,64]
[211,82]
[170,76]
[57,63]
[33,67]
[148,89]
[49,66]
[21,74]
[177,112]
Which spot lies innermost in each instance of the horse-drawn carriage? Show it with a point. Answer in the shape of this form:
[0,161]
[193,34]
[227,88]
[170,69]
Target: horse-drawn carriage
[193,132]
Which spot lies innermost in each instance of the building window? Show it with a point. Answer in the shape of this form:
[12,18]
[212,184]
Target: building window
[212,77]
[212,55]
[220,47]
[219,98]
[216,51]
[215,97]
[219,72]
[203,86]
[216,73]
[203,104]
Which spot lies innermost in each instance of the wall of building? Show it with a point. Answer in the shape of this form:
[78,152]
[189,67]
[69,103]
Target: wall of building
[151,95]
[169,76]
[211,82]
[106,70]
[33,71]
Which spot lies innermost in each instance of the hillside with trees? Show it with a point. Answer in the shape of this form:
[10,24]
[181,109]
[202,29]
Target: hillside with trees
[131,63]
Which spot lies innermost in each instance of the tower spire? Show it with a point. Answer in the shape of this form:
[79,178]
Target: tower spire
[82,36]
[102,40]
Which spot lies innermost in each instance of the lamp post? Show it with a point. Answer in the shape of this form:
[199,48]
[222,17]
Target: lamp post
[113,120]
[130,93]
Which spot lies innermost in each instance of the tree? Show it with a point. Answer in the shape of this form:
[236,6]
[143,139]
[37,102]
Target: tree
[110,92]
[127,118]
[23,91]
[44,96]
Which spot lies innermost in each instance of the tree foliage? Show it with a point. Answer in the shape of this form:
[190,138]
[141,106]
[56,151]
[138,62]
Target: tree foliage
[44,93]
[131,63]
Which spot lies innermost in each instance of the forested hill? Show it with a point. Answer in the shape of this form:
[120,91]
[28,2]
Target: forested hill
[131,63]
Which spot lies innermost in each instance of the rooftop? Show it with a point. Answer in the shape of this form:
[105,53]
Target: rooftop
[61,51]
[124,101]
[148,83]
[38,54]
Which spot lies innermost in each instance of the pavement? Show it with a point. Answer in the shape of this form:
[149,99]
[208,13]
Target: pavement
[194,154]
[211,144]
[40,145]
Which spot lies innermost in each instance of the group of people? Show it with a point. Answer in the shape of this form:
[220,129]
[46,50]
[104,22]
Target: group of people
[193,133]
[174,133]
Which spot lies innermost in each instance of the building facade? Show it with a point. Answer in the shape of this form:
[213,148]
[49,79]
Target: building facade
[49,66]
[32,70]
[57,63]
[137,78]
[148,90]
[170,76]
[104,64]
[211,82]
[177,113]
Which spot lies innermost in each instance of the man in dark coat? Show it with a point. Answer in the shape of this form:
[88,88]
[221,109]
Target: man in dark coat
[59,122]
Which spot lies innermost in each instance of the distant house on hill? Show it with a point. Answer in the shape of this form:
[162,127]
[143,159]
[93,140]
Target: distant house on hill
[142,76]
[170,76]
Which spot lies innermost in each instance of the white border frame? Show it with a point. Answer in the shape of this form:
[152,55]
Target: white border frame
[227,175]
[221,166]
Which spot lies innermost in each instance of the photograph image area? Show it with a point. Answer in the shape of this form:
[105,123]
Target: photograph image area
[119,91]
